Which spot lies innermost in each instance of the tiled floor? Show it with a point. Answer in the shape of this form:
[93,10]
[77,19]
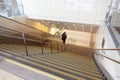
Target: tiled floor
[10,71]
[4,75]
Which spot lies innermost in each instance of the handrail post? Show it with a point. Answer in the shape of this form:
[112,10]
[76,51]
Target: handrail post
[62,47]
[51,46]
[57,46]
[25,44]
[41,46]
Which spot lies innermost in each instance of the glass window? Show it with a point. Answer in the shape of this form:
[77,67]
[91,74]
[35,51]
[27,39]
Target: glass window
[11,8]
[119,7]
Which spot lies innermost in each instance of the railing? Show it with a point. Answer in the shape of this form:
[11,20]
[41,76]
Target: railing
[107,56]
[6,32]
[103,61]
[14,33]
[51,45]
[25,36]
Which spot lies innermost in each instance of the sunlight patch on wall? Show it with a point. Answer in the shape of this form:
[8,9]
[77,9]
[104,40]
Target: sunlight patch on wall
[41,27]
[53,30]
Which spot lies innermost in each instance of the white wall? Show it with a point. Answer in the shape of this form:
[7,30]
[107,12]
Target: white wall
[82,11]
[111,67]
[115,20]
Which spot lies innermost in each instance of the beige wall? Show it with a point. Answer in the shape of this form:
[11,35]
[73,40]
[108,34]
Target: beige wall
[78,38]
[74,37]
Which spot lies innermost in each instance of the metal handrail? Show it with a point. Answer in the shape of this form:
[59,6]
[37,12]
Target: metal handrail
[20,31]
[107,56]
[108,49]
[20,38]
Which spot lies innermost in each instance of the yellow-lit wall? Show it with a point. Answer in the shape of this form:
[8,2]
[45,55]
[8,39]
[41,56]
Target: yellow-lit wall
[32,23]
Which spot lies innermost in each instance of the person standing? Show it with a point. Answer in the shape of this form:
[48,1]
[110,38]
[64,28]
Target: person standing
[64,37]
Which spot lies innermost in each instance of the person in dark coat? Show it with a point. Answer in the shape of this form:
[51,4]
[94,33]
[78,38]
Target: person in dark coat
[64,37]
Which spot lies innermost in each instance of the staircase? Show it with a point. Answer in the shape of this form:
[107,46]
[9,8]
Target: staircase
[65,65]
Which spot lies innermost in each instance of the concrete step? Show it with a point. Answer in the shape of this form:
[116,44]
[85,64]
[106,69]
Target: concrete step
[66,65]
